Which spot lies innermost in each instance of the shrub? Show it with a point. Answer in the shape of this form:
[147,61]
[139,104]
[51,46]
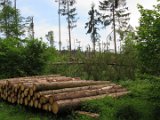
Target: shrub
[156,112]
[127,112]
[35,59]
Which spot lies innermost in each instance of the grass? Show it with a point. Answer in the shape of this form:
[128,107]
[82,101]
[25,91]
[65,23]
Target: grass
[142,104]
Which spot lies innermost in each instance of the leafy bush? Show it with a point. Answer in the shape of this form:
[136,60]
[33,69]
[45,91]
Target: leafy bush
[11,58]
[35,58]
[127,112]
[156,112]
[17,60]
[153,91]
[149,40]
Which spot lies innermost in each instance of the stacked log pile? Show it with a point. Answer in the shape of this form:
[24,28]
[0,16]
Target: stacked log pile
[54,92]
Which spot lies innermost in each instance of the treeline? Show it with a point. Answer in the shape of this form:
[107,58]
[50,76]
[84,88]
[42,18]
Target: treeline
[22,56]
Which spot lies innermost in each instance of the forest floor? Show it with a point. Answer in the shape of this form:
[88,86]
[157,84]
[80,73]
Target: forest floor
[143,103]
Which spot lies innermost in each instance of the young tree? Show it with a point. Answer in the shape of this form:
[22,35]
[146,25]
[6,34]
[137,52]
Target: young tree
[30,25]
[149,40]
[50,38]
[92,25]
[35,58]
[70,11]
[113,9]
[122,24]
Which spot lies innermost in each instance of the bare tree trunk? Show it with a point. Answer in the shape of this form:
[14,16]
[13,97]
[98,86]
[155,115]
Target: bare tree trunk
[59,17]
[16,21]
[69,28]
[5,19]
[94,46]
[114,29]
[32,27]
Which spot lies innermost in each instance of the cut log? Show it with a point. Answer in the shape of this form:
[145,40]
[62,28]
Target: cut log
[71,103]
[55,92]
[36,103]
[119,94]
[69,84]
[89,114]
[44,99]
[26,101]
[90,87]
[65,104]
[31,103]
[46,107]
[84,93]
[26,91]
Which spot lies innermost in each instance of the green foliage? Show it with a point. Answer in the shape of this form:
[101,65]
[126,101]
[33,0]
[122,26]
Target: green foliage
[69,11]
[149,40]
[98,66]
[153,92]
[127,112]
[17,60]
[35,58]
[108,66]
[17,112]
[156,112]
[92,25]
[11,58]
[10,21]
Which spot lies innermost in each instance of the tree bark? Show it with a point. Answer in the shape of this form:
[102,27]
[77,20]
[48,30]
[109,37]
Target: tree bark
[69,84]
[72,103]
[90,87]
[85,93]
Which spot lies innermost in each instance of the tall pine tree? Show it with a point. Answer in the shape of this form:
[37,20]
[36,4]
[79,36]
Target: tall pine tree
[112,10]
[70,12]
[92,25]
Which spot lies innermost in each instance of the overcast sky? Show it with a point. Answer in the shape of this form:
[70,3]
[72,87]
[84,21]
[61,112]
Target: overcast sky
[46,18]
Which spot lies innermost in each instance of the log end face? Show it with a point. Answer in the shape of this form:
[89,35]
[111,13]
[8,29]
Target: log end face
[55,108]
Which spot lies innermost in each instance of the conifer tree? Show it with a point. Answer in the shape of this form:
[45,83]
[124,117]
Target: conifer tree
[92,25]
[113,10]
[69,11]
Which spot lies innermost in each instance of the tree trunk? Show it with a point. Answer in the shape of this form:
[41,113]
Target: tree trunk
[72,103]
[69,29]
[85,93]
[69,84]
[114,30]
[70,89]
[92,115]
